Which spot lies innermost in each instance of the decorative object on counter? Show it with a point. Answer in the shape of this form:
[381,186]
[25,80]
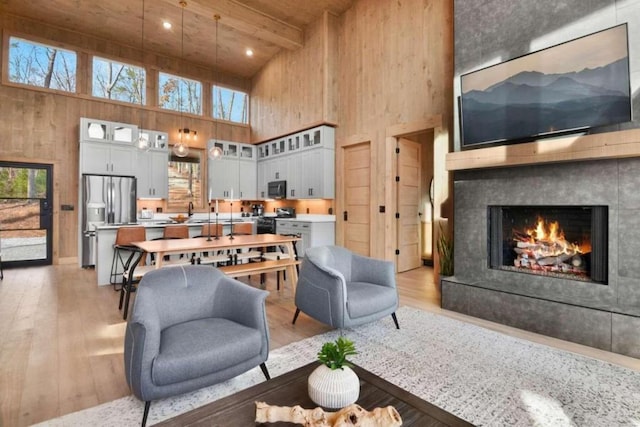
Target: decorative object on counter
[179,219]
[334,384]
[209,221]
[352,415]
[181,149]
[216,238]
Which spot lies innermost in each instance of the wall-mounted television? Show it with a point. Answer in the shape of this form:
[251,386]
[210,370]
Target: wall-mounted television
[570,87]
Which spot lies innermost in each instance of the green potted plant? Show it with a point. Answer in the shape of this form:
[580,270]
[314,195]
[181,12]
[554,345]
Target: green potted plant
[333,384]
[444,246]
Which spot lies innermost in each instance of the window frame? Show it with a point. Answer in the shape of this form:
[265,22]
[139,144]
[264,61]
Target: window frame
[90,79]
[213,104]
[159,84]
[6,58]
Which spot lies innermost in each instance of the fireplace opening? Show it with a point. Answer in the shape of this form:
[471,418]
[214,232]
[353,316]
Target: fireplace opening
[559,241]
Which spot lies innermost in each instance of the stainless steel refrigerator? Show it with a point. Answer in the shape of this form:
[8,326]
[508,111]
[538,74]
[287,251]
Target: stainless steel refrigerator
[105,200]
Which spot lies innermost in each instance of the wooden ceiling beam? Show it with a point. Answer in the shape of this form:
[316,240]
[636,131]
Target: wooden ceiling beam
[248,21]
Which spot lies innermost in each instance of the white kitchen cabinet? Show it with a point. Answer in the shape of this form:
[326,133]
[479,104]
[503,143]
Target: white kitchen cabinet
[311,174]
[248,180]
[306,160]
[311,233]
[152,174]
[235,170]
[106,131]
[318,174]
[102,158]
[229,149]
[157,139]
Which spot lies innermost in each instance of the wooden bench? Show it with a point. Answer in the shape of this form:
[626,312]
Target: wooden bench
[241,270]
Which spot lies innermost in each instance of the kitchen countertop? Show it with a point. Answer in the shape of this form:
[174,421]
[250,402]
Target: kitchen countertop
[157,223]
[310,218]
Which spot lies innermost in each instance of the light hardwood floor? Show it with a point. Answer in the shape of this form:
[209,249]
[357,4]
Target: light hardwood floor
[61,338]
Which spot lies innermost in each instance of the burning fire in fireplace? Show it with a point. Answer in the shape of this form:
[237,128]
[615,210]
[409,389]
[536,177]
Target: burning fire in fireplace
[545,248]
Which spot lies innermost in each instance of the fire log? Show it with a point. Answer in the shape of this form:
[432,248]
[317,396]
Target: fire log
[349,416]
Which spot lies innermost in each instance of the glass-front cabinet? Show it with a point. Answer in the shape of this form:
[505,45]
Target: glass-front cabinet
[106,131]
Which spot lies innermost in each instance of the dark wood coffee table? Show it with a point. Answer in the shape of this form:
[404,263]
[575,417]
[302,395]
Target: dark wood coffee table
[290,389]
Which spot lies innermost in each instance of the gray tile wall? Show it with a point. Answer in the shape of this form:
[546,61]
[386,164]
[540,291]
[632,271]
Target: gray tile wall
[613,183]
[487,32]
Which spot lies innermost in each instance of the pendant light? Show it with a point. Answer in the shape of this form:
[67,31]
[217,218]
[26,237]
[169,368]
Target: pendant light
[181,149]
[215,152]
[142,143]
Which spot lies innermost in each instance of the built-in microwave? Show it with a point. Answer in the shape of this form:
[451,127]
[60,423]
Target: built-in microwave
[277,190]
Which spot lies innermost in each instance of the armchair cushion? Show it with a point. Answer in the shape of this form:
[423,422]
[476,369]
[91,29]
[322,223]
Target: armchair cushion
[200,347]
[366,298]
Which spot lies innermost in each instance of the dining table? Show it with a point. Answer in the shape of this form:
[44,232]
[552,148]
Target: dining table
[162,247]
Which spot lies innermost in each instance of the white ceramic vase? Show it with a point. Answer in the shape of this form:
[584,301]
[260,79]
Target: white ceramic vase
[333,388]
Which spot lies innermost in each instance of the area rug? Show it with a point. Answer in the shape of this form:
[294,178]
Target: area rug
[482,376]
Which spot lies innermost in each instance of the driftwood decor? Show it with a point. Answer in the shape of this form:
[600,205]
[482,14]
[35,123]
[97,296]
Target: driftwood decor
[349,416]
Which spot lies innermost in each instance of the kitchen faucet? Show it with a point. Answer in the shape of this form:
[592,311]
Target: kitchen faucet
[190,209]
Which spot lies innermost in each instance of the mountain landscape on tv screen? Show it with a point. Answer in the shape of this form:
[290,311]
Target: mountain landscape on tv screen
[532,103]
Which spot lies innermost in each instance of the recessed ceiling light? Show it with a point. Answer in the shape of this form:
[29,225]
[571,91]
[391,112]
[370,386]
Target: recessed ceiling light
[166,25]
[249,52]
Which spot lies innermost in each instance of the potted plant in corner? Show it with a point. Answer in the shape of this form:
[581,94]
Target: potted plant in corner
[445,252]
[333,384]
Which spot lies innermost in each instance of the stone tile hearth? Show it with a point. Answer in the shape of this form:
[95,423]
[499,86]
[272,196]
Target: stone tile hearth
[605,316]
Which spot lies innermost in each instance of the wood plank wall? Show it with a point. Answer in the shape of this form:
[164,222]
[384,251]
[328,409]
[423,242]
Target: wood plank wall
[393,64]
[39,126]
[297,88]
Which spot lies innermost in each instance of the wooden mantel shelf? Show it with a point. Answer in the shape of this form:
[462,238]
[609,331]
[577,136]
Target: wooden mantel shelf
[608,145]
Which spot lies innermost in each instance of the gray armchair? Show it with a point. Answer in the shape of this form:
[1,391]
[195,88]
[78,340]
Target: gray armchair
[192,327]
[343,289]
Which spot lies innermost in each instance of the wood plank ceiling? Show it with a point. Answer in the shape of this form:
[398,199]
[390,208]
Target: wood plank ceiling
[265,26]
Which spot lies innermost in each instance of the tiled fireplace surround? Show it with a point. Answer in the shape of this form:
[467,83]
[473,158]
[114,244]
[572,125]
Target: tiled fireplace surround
[601,316]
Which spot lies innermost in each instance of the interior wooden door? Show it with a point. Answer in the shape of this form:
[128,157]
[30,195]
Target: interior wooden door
[409,188]
[357,198]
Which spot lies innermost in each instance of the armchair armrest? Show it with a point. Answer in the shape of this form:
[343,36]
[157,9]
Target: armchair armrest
[321,293]
[372,270]
[240,303]
[142,344]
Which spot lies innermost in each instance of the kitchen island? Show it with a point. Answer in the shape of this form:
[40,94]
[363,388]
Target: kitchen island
[106,237]
[314,230]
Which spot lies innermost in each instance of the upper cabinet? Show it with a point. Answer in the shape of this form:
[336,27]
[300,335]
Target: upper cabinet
[304,159]
[107,159]
[234,173]
[152,167]
[104,131]
[320,136]
[106,148]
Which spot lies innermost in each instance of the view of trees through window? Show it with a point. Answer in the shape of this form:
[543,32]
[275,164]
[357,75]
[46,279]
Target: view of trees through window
[185,181]
[118,81]
[179,94]
[231,105]
[41,65]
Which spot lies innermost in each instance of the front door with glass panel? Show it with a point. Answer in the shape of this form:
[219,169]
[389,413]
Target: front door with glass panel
[25,214]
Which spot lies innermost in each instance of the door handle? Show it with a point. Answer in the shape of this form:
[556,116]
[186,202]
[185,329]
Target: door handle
[345,215]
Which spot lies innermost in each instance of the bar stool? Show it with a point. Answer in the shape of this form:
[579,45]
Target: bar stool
[122,249]
[174,232]
[245,228]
